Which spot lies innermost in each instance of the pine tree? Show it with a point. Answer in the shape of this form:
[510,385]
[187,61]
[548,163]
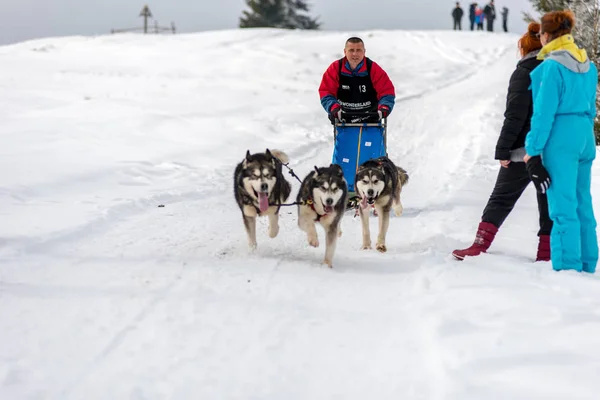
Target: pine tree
[263,13]
[295,20]
[544,6]
[587,35]
[287,14]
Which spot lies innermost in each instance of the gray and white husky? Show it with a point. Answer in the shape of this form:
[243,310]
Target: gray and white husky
[322,199]
[379,183]
[259,189]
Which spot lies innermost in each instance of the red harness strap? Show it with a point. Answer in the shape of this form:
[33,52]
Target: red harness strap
[311,203]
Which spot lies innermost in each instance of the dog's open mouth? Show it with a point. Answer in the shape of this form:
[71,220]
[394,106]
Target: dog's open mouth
[367,201]
[263,201]
[327,209]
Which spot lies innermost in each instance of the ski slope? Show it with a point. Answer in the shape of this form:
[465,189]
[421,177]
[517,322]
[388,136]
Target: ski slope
[105,295]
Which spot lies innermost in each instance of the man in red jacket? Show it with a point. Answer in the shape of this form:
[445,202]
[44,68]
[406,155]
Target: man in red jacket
[355,84]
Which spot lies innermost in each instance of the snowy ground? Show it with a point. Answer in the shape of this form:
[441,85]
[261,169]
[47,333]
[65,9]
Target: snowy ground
[104,295]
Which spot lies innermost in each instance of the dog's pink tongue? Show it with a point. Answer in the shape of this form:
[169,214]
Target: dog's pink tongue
[363,202]
[263,202]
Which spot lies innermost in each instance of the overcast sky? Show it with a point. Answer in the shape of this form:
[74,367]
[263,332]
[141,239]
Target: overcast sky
[29,19]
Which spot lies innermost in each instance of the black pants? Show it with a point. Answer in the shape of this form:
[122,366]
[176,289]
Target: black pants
[490,25]
[472,23]
[505,25]
[457,24]
[510,184]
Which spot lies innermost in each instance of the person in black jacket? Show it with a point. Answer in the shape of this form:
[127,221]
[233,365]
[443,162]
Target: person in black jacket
[472,9]
[513,177]
[490,15]
[505,19]
[457,15]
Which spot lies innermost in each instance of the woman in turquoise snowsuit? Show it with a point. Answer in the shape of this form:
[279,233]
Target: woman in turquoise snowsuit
[562,133]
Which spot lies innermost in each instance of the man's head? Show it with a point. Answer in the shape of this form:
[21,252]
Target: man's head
[457,4]
[354,50]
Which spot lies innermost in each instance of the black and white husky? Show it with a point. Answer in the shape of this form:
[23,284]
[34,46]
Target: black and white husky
[259,188]
[379,183]
[322,199]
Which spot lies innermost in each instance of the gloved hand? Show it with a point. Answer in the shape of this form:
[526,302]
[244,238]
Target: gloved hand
[335,112]
[383,111]
[538,174]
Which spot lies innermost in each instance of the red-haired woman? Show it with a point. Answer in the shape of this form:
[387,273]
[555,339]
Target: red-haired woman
[513,177]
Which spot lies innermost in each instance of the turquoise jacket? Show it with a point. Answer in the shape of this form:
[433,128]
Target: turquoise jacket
[561,85]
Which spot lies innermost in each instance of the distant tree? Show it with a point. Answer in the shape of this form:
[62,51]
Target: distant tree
[286,14]
[295,18]
[586,31]
[587,35]
[544,6]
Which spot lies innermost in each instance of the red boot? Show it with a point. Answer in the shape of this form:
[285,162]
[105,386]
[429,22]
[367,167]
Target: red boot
[543,253]
[485,235]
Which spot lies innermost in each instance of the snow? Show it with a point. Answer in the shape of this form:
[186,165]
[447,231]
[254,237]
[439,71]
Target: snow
[105,295]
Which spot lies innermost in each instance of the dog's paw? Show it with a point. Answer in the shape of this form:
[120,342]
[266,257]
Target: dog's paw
[313,241]
[273,231]
[381,248]
[252,246]
[398,210]
[329,263]
[366,246]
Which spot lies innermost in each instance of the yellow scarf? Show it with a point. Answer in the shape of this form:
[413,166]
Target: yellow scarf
[565,42]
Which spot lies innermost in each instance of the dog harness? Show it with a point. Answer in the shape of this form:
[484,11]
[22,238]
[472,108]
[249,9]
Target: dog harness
[311,203]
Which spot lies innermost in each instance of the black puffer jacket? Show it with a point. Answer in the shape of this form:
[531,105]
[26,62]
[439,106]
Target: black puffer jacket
[519,108]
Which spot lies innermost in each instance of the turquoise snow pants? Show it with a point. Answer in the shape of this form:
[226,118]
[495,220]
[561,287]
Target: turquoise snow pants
[568,157]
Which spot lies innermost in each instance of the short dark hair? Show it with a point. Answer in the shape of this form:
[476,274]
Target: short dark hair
[355,39]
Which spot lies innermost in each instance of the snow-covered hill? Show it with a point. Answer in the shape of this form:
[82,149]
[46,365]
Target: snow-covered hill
[105,295]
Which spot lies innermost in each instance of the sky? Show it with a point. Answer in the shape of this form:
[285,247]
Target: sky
[30,19]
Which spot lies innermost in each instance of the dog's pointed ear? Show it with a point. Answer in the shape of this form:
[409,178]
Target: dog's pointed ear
[317,170]
[247,159]
[338,169]
[268,154]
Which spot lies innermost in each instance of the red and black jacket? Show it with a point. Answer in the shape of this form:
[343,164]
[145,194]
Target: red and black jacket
[366,88]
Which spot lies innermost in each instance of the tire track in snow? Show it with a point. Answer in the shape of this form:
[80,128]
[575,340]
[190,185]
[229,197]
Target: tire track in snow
[119,337]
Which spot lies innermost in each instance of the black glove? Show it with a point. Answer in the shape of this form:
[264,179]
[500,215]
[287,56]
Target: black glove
[383,111]
[538,174]
[335,112]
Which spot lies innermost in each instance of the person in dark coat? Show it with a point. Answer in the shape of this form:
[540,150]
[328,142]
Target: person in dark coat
[505,19]
[472,9]
[457,15]
[490,15]
[513,177]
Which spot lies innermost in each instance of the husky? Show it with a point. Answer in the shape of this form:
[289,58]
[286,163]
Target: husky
[322,198]
[379,183]
[259,189]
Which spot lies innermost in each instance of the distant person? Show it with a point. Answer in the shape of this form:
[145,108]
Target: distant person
[490,15]
[457,15]
[472,9]
[513,176]
[479,16]
[505,19]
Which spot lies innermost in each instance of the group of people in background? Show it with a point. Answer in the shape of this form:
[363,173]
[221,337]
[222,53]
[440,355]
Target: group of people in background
[478,15]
